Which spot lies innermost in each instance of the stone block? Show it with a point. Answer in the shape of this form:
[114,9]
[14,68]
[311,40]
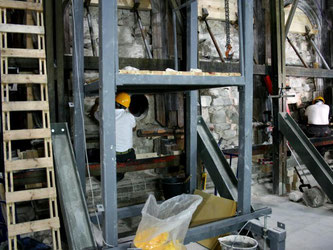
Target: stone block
[232,115]
[145,17]
[133,51]
[219,128]
[228,134]
[126,18]
[125,35]
[306,97]
[219,117]
[225,92]
[306,88]
[214,92]
[295,82]
[296,99]
[234,126]
[205,115]
[234,141]
[222,101]
[206,101]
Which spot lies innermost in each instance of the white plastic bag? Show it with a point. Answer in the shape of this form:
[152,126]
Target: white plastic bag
[164,226]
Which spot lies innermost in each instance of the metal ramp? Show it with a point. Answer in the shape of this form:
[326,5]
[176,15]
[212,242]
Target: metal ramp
[216,164]
[72,201]
[308,153]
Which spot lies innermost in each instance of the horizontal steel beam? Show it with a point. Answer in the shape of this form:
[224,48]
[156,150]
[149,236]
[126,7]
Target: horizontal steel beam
[180,81]
[91,63]
[309,155]
[214,229]
[202,232]
[124,212]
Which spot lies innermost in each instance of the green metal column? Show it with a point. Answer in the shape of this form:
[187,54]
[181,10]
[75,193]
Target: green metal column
[49,28]
[278,75]
[59,46]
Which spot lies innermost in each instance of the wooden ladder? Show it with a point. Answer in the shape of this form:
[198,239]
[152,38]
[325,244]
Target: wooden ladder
[38,77]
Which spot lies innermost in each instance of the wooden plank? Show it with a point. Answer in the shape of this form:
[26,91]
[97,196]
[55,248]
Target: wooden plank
[25,29]
[33,226]
[128,4]
[26,134]
[31,195]
[216,9]
[25,106]
[23,53]
[26,164]
[24,78]
[21,5]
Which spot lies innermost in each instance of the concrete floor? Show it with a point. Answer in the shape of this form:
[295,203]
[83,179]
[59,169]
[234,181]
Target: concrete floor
[307,228]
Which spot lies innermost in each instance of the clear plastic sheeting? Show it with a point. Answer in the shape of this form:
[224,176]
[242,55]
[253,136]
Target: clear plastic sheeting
[164,226]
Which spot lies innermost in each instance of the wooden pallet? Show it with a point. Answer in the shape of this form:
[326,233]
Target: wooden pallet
[45,163]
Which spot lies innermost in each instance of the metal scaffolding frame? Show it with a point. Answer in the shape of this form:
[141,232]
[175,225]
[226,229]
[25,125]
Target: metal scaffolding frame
[111,79]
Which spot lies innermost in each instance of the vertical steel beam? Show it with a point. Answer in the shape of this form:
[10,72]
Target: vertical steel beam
[62,108]
[175,47]
[245,108]
[49,27]
[78,82]
[278,79]
[108,66]
[241,38]
[191,96]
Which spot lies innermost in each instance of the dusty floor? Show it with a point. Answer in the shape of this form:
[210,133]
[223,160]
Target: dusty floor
[307,228]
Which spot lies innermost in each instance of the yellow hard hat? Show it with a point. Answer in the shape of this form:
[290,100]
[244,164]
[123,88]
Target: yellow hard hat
[318,98]
[123,99]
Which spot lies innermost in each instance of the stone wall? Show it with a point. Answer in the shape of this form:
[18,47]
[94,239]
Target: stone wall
[129,37]
[303,88]
[219,106]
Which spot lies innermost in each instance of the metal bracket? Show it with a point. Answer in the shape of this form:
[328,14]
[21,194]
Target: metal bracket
[58,128]
[100,208]
[281,225]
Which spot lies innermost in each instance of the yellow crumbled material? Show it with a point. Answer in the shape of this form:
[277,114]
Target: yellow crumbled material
[160,242]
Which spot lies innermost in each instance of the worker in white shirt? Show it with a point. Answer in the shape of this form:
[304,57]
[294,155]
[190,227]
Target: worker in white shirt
[125,124]
[318,118]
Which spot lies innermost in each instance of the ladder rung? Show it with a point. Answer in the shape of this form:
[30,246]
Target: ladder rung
[21,5]
[25,106]
[33,226]
[26,134]
[23,78]
[26,164]
[31,195]
[23,53]
[19,28]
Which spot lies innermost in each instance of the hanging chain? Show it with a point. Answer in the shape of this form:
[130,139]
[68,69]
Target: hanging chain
[227,22]
[228,46]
